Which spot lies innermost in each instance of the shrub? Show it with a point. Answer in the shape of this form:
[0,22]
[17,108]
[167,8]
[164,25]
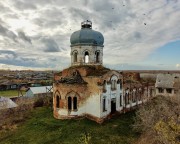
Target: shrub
[42,100]
[12,116]
[159,121]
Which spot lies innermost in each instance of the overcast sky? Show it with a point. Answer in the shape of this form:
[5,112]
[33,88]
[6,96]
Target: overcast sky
[139,34]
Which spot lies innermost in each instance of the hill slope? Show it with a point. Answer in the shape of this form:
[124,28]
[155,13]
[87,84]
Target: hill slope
[41,127]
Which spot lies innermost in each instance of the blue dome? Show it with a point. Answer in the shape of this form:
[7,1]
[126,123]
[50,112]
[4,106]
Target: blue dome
[87,36]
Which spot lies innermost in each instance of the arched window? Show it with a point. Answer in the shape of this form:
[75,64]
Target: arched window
[104,104]
[86,57]
[137,94]
[120,99]
[115,84]
[140,96]
[57,101]
[97,56]
[104,86]
[112,84]
[75,56]
[120,83]
[69,103]
[132,96]
[72,101]
[75,103]
[126,99]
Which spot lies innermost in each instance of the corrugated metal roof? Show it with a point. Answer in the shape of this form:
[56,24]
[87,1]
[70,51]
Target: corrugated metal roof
[42,89]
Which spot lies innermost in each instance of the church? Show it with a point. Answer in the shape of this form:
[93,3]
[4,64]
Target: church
[87,88]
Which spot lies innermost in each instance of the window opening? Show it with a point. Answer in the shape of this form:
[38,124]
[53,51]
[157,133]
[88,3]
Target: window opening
[69,103]
[75,103]
[86,57]
[75,56]
[57,101]
[97,57]
[120,99]
[104,104]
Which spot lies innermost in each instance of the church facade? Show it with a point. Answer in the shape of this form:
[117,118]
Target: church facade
[87,89]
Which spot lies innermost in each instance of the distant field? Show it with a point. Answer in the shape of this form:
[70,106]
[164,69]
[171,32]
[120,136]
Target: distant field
[10,93]
[41,127]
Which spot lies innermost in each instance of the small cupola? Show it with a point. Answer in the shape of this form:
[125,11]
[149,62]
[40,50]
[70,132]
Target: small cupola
[86,24]
[86,45]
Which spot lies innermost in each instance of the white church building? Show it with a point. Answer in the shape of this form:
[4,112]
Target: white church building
[87,89]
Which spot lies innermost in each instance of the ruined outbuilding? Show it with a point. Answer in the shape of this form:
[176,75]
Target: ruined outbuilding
[168,84]
[6,103]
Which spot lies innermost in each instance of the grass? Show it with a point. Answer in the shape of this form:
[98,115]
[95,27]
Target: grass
[10,93]
[41,127]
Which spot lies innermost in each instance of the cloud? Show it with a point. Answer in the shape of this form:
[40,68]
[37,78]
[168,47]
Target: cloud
[24,37]
[4,8]
[53,59]
[50,45]
[24,5]
[7,33]
[39,31]
[178,65]
[8,53]
[12,58]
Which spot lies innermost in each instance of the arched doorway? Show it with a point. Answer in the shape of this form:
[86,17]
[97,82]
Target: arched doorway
[113,105]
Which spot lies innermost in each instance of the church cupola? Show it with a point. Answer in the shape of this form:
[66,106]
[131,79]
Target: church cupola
[86,24]
[86,46]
